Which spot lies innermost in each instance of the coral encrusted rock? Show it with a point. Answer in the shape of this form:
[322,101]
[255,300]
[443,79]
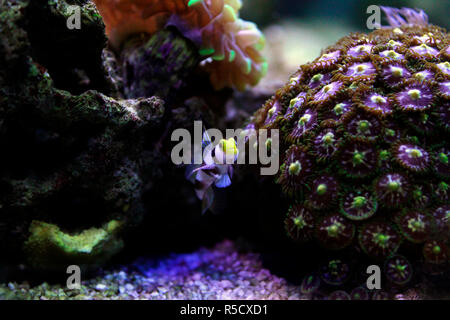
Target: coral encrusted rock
[364,141]
[71,165]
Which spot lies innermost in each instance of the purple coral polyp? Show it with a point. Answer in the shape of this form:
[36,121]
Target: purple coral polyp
[444,67]
[392,189]
[335,232]
[324,192]
[319,79]
[328,91]
[392,55]
[326,144]
[424,75]
[297,167]
[444,89]
[379,239]
[358,206]
[300,223]
[360,50]
[273,113]
[331,56]
[414,225]
[361,69]
[295,105]
[379,103]
[358,159]
[306,121]
[425,51]
[364,124]
[398,270]
[415,97]
[395,74]
[412,157]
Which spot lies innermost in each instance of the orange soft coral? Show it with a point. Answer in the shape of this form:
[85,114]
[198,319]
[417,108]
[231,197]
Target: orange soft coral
[231,46]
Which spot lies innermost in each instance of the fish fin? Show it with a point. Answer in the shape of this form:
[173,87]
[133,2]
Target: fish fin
[230,171]
[190,171]
[208,200]
[206,138]
[224,181]
[220,203]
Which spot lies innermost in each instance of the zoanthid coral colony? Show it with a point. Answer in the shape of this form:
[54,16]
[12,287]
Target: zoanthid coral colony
[230,47]
[364,130]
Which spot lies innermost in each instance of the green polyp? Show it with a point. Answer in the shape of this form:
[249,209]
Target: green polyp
[322,189]
[358,157]
[363,126]
[299,222]
[390,132]
[316,78]
[269,143]
[333,230]
[381,239]
[295,168]
[207,52]
[436,250]
[420,76]
[414,94]
[327,88]
[339,109]
[397,72]
[418,194]
[361,68]
[400,267]
[392,54]
[378,100]
[443,158]
[272,111]
[304,120]
[293,102]
[416,225]
[359,202]
[393,185]
[384,155]
[415,153]
[194,2]
[232,56]
[328,138]
[443,186]
[333,264]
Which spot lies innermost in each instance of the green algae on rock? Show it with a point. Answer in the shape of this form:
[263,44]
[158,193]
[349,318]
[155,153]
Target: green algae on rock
[50,248]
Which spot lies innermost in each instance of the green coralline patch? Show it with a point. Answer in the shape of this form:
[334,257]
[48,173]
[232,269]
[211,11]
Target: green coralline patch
[48,246]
